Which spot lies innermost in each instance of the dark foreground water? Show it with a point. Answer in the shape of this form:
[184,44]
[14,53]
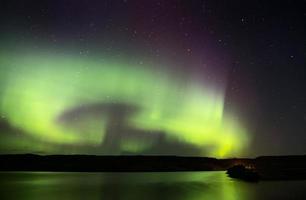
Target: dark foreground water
[142,186]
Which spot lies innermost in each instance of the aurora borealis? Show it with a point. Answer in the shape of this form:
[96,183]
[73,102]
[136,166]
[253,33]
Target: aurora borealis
[161,78]
[47,86]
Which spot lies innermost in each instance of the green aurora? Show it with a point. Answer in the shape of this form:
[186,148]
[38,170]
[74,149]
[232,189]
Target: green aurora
[37,88]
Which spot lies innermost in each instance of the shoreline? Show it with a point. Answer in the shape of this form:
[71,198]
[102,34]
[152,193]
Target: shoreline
[267,167]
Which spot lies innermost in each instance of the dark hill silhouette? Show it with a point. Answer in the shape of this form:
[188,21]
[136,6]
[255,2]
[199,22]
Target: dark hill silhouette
[91,163]
[267,167]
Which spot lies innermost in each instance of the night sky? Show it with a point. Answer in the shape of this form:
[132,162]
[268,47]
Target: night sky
[175,77]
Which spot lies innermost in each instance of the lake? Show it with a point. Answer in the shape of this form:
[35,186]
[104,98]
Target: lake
[148,186]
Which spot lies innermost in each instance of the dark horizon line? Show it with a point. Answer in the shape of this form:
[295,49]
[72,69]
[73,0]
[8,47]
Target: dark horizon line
[285,167]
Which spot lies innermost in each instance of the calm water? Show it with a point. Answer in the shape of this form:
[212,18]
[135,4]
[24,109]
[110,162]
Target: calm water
[134,186]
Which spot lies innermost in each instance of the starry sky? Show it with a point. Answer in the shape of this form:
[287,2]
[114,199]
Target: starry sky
[176,77]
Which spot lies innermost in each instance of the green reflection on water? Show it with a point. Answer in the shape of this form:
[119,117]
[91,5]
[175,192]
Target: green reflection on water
[178,186]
